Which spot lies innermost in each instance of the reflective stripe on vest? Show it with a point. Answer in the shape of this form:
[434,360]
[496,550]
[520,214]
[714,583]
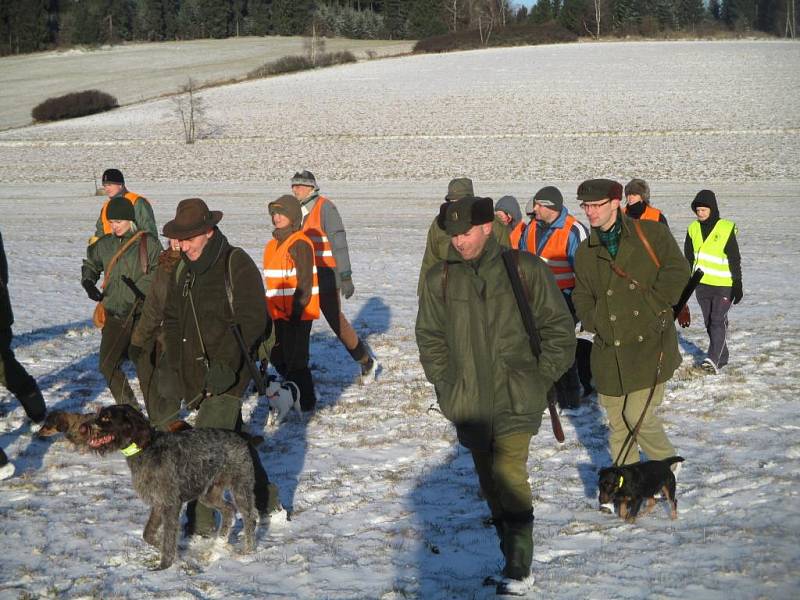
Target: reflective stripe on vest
[554,253]
[129,196]
[650,213]
[280,280]
[312,227]
[709,254]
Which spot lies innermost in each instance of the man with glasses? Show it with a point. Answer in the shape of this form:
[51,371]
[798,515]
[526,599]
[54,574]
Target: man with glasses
[629,274]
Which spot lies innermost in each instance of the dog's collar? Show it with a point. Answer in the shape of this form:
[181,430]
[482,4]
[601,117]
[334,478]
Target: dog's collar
[131,450]
[619,483]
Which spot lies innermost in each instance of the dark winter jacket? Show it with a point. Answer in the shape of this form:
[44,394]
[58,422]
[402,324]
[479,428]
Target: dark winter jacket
[437,246]
[474,348]
[148,329]
[118,298]
[631,316]
[203,282]
[6,314]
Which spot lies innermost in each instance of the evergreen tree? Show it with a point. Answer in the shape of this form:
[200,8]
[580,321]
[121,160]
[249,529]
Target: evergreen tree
[426,18]
[23,26]
[714,9]
[542,12]
[689,13]
[395,14]
[291,17]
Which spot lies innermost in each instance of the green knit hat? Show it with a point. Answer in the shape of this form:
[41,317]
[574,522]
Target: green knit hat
[120,209]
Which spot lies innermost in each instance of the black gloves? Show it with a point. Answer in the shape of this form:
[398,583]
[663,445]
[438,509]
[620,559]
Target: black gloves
[347,287]
[736,292]
[219,378]
[92,291]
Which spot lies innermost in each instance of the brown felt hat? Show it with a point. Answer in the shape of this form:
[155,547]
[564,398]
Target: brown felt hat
[593,190]
[192,218]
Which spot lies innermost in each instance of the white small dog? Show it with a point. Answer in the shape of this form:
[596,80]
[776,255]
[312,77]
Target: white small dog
[282,398]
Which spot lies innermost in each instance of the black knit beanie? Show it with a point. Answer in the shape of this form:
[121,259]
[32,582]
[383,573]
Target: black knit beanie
[113,176]
[120,209]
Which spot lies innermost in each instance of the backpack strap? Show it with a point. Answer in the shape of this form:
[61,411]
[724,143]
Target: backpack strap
[143,262]
[638,226]
[119,253]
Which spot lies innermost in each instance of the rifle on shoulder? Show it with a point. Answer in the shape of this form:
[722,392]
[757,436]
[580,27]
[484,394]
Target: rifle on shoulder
[511,262]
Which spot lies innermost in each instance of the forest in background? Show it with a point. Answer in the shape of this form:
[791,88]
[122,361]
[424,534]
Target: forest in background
[34,25]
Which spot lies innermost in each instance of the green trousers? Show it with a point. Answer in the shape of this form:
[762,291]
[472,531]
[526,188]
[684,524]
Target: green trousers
[503,475]
[114,343]
[623,413]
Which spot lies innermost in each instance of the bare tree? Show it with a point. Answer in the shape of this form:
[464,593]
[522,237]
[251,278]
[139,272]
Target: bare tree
[453,9]
[190,110]
[314,44]
[791,19]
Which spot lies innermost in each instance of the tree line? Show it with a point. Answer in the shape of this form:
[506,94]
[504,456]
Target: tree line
[31,25]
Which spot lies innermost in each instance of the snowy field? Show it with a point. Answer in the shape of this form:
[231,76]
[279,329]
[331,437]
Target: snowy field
[384,503]
[137,72]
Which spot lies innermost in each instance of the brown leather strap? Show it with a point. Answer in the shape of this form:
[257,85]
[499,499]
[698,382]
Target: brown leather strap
[143,262]
[119,253]
[646,244]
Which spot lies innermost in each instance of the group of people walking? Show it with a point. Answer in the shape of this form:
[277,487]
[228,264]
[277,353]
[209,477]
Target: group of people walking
[496,327]
[499,303]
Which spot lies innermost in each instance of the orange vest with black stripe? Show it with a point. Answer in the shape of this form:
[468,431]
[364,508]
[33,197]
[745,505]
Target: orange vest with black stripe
[516,234]
[280,280]
[554,254]
[323,251]
[650,213]
[129,196]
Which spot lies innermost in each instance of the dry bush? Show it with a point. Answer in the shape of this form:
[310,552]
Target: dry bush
[76,104]
[290,64]
[514,35]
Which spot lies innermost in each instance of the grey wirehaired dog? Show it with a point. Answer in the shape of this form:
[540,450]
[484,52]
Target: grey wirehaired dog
[170,468]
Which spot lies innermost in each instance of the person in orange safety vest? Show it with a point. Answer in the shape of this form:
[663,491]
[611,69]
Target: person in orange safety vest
[637,193]
[323,225]
[292,289]
[114,185]
[554,235]
[508,211]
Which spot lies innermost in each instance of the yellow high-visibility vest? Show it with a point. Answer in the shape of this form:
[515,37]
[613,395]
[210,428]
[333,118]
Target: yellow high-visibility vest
[709,254]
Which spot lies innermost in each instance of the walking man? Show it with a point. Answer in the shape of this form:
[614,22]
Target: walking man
[476,352]
[114,186]
[629,274]
[323,225]
[554,236]
[217,286]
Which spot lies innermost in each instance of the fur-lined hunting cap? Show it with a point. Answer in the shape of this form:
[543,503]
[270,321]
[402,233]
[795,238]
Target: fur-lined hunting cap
[638,186]
[192,217]
[463,214]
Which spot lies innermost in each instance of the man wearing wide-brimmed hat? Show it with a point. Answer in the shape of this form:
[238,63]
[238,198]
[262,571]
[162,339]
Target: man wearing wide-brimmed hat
[197,322]
[438,242]
[476,353]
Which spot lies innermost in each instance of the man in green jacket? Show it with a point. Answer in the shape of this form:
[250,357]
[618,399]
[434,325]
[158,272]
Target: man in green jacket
[438,242]
[121,303]
[476,352]
[629,274]
[200,345]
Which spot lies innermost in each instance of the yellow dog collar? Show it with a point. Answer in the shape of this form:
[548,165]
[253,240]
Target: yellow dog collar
[131,450]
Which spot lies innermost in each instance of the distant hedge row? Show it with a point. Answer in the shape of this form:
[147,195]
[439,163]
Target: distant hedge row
[77,104]
[290,64]
[514,35]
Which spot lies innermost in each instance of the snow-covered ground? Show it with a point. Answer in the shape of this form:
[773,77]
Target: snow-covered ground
[385,504]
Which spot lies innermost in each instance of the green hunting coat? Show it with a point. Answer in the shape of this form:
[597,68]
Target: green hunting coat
[631,316]
[438,244]
[118,298]
[474,348]
[203,281]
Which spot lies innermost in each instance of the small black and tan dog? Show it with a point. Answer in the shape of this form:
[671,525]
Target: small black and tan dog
[170,468]
[629,485]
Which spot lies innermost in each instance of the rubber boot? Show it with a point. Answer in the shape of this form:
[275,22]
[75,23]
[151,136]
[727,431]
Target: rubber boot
[518,544]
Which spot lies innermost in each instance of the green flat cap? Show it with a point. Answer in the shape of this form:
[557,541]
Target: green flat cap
[592,190]
[464,213]
[459,188]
